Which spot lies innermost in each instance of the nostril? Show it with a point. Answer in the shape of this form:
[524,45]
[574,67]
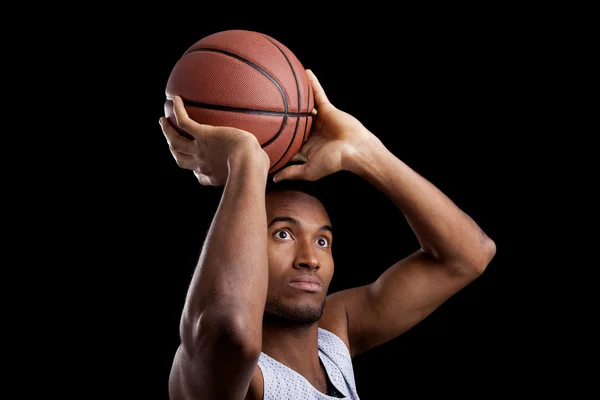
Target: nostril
[305,265]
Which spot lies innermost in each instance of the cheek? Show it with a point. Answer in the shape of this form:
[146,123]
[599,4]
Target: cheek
[328,269]
[279,260]
[330,275]
[279,253]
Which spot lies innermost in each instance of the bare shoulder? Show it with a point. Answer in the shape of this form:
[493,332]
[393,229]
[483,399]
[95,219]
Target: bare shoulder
[334,318]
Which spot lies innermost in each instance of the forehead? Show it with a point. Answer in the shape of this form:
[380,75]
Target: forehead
[299,205]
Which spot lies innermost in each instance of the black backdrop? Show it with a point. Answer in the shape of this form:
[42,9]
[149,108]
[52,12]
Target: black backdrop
[444,98]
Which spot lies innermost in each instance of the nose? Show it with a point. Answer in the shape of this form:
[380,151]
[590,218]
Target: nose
[306,257]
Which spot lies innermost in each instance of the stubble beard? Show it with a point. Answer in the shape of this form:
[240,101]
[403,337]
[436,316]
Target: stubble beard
[291,314]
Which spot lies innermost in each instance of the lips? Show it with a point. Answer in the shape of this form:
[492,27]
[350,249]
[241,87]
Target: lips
[309,279]
[307,283]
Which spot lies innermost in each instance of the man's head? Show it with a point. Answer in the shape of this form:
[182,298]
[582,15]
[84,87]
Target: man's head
[299,247]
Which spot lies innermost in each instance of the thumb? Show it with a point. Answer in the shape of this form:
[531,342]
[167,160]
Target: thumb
[321,99]
[298,171]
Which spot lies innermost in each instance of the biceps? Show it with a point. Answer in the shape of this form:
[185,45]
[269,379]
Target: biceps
[216,370]
[401,297]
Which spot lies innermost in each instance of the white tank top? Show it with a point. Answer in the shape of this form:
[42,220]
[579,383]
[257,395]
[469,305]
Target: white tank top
[282,382]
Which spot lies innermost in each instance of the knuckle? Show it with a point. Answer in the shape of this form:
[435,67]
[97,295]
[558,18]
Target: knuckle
[183,122]
[203,179]
[173,148]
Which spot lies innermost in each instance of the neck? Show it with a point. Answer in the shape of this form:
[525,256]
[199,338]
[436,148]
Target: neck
[293,345]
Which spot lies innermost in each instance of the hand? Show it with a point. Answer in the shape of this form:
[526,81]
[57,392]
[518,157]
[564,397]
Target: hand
[334,138]
[207,154]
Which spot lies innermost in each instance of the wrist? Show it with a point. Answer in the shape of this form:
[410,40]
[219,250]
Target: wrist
[364,155]
[250,157]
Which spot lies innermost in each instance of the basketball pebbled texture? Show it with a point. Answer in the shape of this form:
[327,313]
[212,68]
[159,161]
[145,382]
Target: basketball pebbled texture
[250,81]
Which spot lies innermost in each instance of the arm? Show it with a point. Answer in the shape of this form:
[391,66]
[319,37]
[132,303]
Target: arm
[221,323]
[454,251]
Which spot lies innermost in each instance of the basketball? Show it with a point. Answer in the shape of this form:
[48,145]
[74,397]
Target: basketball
[247,80]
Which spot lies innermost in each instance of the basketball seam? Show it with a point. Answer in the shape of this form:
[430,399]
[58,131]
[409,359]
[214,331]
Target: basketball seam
[259,69]
[243,110]
[299,101]
[308,113]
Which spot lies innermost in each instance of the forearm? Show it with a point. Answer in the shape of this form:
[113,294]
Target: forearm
[229,285]
[443,230]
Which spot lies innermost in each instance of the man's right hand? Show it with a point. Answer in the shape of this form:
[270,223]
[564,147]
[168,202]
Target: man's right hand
[209,153]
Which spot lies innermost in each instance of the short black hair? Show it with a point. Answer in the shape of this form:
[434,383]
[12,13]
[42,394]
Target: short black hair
[304,186]
[321,189]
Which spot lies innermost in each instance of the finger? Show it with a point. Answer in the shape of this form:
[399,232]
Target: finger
[180,113]
[319,93]
[184,161]
[184,122]
[300,171]
[203,179]
[174,138]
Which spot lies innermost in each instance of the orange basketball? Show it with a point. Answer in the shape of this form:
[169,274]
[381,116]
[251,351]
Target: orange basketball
[250,81]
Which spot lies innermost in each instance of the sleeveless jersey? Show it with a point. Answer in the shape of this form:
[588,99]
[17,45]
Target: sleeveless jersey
[282,382]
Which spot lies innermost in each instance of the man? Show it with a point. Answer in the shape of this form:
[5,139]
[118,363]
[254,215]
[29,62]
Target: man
[257,322]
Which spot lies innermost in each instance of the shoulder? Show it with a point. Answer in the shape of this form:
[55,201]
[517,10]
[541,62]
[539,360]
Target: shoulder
[334,318]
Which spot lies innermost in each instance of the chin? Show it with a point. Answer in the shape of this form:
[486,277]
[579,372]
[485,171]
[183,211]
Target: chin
[298,312]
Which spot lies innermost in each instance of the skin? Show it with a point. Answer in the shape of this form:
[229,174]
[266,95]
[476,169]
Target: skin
[291,314]
[240,303]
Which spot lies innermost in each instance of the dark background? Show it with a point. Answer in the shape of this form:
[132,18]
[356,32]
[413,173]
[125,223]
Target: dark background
[445,95]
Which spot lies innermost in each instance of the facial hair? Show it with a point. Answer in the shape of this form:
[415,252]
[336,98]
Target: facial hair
[291,314]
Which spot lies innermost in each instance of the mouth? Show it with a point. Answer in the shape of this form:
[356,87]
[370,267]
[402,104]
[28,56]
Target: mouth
[307,283]
[307,286]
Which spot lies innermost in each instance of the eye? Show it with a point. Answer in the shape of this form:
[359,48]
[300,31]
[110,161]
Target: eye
[282,234]
[323,242]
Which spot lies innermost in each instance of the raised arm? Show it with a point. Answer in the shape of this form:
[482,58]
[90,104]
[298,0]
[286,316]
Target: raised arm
[221,323]
[454,250]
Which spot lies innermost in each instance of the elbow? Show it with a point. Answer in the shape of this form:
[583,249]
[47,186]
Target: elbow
[474,261]
[241,331]
[235,330]
[482,257]
[488,253]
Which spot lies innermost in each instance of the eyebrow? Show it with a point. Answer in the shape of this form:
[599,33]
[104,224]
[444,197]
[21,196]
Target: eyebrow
[297,223]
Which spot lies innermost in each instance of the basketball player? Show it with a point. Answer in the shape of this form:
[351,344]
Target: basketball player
[257,322]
